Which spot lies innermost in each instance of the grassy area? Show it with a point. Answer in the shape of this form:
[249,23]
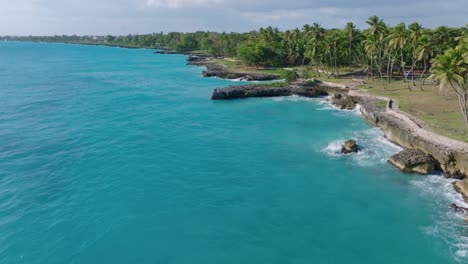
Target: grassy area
[382,104]
[440,111]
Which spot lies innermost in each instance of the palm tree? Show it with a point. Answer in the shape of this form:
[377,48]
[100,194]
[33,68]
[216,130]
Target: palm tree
[415,33]
[399,40]
[371,48]
[313,44]
[306,29]
[375,42]
[451,70]
[351,32]
[424,51]
[375,25]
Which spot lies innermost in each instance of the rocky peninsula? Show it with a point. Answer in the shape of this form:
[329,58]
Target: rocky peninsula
[216,70]
[306,89]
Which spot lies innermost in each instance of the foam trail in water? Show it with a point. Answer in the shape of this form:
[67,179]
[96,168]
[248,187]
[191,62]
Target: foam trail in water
[448,224]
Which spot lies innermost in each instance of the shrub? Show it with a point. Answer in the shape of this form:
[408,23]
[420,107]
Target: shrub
[290,75]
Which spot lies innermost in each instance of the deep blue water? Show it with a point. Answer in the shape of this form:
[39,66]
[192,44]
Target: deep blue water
[112,155]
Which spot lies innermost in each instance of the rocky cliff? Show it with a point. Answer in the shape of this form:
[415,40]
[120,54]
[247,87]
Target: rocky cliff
[215,70]
[451,155]
[269,90]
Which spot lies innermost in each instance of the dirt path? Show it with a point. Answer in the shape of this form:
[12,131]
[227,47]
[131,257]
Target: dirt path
[413,124]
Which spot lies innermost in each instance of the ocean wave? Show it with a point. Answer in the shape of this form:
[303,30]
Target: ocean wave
[327,105]
[242,79]
[237,80]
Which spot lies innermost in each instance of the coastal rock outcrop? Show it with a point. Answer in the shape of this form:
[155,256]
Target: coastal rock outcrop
[457,208]
[414,161]
[239,75]
[350,146]
[451,156]
[344,101]
[232,92]
[271,90]
[449,166]
[462,188]
[215,70]
[165,52]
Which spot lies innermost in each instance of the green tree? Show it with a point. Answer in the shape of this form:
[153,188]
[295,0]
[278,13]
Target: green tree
[255,54]
[424,52]
[451,70]
[399,38]
[351,33]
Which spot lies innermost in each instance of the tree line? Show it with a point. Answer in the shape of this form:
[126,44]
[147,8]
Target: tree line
[380,51]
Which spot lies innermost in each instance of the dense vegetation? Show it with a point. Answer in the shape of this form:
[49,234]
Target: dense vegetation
[380,48]
[379,51]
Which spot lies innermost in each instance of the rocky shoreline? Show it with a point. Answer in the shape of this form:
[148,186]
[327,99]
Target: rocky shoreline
[216,70]
[306,89]
[424,151]
[432,151]
[451,156]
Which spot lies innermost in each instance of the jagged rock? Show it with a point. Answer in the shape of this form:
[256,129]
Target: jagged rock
[457,208]
[236,75]
[414,161]
[266,90]
[462,188]
[350,146]
[449,166]
[344,101]
[165,52]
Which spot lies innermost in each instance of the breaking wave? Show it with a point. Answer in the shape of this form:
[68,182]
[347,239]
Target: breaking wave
[375,149]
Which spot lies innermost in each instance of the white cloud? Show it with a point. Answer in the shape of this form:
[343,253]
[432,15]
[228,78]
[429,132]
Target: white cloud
[50,17]
[182,3]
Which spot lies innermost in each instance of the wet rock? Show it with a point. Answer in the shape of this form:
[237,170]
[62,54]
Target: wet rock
[350,146]
[457,208]
[224,74]
[344,101]
[449,166]
[414,161]
[165,52]
[462,188]
[266,90]
[232,92]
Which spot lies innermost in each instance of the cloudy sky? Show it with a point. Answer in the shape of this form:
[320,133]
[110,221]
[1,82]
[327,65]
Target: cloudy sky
[101,17]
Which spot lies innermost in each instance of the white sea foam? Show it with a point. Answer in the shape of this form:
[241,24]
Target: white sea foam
[327,105]
[448,224]
[294,98]
[375,148]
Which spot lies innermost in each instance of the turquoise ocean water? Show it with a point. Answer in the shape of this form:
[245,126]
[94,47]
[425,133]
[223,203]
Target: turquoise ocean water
[112,155]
